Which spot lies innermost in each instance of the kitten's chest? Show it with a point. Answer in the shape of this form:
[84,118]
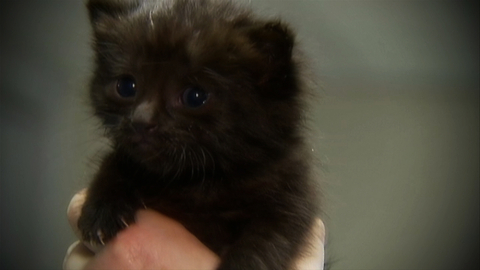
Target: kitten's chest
[215,218]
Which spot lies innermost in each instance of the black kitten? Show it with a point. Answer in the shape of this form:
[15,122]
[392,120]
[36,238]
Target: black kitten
[203,104]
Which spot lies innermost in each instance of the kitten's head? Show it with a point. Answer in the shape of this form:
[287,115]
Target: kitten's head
[193,86]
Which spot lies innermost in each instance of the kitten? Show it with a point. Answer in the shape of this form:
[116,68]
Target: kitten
[202,102]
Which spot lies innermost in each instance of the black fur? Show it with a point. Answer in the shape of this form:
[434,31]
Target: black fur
[233,171]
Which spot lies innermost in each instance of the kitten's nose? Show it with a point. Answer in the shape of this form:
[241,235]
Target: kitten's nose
[142,118]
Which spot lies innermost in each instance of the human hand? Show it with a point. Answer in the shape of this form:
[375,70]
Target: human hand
[155,241]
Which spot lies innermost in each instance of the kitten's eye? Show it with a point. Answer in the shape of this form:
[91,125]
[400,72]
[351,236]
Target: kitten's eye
[126,86]
[194,97]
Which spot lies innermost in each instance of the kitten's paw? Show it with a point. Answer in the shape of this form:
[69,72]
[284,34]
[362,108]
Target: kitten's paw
[101,223]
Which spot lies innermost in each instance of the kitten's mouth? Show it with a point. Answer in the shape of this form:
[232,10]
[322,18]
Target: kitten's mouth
[142,141]
[148,142]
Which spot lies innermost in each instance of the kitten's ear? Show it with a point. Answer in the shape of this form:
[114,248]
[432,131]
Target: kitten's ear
[99,9]
[275,41]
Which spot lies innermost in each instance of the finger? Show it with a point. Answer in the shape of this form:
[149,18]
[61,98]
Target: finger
[77,257]
[74,210]
[179,249]
[154,242]
[312,257]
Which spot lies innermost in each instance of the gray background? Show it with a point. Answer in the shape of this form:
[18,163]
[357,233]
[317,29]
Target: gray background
[396,128]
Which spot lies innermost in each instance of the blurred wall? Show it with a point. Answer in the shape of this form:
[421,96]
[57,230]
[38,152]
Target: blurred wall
[397,128]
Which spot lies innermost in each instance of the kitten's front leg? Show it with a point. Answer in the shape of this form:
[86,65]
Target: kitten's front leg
[110,204]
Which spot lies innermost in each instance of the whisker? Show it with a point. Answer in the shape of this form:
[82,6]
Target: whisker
[191,161]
